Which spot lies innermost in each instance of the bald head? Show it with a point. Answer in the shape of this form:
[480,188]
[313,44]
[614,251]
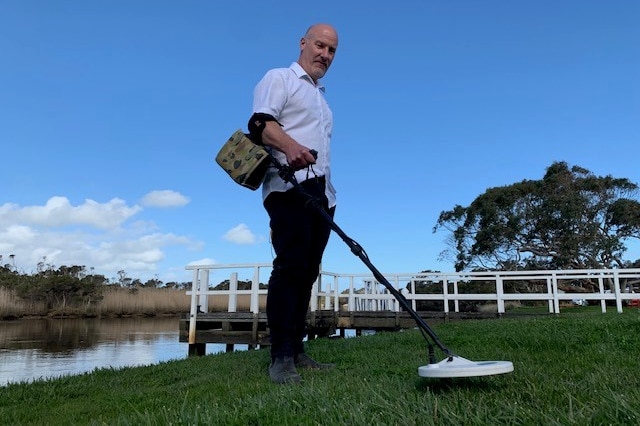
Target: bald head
[317,49]
[319,28]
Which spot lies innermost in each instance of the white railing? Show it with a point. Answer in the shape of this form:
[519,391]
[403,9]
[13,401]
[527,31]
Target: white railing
[361,292]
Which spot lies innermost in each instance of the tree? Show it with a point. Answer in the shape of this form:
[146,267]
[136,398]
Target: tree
[571,219]
[123,280]
[152,283]
[57,291]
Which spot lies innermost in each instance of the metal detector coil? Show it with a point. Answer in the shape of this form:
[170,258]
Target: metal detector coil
[456,366]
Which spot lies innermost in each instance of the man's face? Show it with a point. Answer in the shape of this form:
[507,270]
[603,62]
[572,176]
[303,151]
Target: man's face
[317,50]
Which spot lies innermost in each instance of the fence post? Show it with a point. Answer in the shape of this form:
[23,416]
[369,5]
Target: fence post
[414,302]
[456,302]
[616,286]
[194,307]
[327,294]
[556,301]
[203,286]
[336,304]
[255,288]
[603,303]
[313,302]
[550,293]
[351,302]
[500,294]
[194,347]
[232,304]
[445,294]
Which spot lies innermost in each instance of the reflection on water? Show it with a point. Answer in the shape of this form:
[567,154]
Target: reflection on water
[45,348]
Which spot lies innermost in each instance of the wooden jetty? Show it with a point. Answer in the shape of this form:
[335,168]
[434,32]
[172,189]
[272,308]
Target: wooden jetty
[246,328]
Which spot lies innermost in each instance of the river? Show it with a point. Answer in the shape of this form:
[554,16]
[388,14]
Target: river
[47,348]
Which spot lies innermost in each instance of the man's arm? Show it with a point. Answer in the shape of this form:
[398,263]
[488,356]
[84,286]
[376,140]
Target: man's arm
[298,156]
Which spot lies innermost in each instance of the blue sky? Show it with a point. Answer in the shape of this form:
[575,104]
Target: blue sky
[111,114]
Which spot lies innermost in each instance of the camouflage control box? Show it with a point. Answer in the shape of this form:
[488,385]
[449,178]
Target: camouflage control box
[243,160]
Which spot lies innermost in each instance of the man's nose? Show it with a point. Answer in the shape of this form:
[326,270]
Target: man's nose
[325,54]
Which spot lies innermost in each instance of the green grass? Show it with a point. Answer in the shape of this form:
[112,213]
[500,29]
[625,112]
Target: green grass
[569,369]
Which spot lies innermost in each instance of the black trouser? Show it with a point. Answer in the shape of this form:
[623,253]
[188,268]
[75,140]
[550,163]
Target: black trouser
[299,236]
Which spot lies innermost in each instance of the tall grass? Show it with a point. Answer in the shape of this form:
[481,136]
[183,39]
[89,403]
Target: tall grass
[11,306]
[117,301]
[576,369]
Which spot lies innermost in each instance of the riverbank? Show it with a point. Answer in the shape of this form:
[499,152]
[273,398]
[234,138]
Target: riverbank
[569,369]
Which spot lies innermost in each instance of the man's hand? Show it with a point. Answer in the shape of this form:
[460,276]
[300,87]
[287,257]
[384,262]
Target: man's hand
[298,156]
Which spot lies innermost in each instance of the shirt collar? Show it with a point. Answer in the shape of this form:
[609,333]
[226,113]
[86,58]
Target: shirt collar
[301,73]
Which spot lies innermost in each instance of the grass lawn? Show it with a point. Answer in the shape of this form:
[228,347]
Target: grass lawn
[574,368]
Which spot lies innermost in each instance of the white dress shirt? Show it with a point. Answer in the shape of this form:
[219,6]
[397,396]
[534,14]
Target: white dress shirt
[291,96]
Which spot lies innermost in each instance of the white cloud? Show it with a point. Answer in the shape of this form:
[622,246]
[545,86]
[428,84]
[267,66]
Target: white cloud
[16,234]
[205,261]
[58,212]
[242,235]
[165,198]
[92,234]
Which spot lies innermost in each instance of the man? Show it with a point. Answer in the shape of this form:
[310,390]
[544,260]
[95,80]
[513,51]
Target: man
[292,118]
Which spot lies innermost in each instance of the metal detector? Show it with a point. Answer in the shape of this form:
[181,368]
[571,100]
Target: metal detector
[452,365]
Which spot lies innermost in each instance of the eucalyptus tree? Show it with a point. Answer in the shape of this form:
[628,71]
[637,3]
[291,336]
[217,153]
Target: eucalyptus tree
[570,219]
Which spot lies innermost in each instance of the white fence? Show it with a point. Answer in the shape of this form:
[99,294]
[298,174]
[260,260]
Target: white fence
[358,292]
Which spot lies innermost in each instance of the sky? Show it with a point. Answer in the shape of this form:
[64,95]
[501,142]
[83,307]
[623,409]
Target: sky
[111,114]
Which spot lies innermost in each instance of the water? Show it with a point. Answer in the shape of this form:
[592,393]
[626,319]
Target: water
[47,348]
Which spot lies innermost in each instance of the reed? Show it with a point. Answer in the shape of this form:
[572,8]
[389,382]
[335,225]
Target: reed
[11,306]
[120,301]
[117,302]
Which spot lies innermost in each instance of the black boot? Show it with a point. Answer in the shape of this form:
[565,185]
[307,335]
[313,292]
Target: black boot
[283,371]
[303,360]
